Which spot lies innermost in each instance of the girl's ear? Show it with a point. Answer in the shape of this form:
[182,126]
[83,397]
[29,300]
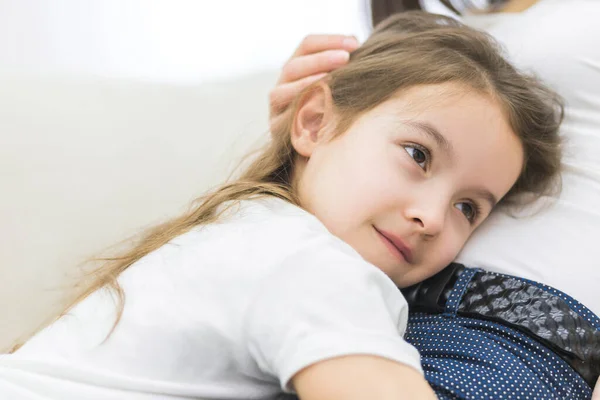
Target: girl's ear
[313,119]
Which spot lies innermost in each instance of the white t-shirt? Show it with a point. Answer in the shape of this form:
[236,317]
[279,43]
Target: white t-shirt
[231,310]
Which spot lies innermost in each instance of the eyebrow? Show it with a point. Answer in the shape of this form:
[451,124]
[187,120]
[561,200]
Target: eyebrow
[487,196]
[433,133]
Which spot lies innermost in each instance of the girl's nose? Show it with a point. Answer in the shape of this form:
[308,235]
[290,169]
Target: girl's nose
[429,218]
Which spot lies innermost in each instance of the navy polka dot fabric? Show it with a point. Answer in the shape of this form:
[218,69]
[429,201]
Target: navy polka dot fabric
[474,358]
[471,358]
[465,358]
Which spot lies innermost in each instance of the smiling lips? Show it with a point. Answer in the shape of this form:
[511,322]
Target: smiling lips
[396,245]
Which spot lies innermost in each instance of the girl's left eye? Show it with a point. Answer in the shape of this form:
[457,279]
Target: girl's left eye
[469,210]
[419,154]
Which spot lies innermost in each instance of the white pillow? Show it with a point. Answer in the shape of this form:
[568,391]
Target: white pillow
[560,42]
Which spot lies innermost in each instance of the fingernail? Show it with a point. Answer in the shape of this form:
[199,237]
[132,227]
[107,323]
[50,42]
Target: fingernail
[339,56]
[350,43]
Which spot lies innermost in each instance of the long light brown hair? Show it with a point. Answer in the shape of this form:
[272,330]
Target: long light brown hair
[404,50]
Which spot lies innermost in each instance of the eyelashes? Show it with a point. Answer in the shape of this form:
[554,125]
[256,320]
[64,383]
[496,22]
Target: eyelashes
[420,154]
[422,157]
[472,212]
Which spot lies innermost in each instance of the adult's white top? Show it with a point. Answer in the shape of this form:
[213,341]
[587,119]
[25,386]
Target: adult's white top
[560,42]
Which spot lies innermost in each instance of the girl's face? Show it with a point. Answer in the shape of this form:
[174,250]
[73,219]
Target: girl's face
[411,179]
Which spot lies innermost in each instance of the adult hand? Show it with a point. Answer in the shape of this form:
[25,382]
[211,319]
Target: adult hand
[313,59]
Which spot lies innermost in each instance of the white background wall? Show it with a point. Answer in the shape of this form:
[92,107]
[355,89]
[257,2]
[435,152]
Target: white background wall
[109,126]
[166,40]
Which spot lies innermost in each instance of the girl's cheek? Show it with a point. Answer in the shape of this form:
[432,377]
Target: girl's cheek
[454,242]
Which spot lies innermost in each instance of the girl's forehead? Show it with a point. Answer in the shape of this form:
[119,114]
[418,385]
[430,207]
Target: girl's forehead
[467,129]
[423,98]
[452,110]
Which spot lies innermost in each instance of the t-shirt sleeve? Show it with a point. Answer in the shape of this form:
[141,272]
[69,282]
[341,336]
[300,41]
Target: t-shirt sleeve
[324,301]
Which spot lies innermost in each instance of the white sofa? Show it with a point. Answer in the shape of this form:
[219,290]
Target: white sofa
[86,162]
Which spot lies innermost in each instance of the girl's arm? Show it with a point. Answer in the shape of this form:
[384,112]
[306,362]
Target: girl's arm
[361,377]
[596,394]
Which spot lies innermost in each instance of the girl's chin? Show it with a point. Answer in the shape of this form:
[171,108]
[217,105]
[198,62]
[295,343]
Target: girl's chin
[397,273]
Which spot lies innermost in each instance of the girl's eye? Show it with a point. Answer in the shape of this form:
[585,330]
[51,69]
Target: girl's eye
[419,154]
[469,210]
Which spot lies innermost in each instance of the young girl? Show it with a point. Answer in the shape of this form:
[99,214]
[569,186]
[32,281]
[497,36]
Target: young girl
[286,278]
[495,334]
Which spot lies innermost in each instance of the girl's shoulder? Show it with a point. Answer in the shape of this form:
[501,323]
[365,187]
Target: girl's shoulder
[261,230]
[267,216]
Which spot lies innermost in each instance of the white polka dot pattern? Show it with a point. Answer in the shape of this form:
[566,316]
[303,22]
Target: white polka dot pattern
[473,358]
